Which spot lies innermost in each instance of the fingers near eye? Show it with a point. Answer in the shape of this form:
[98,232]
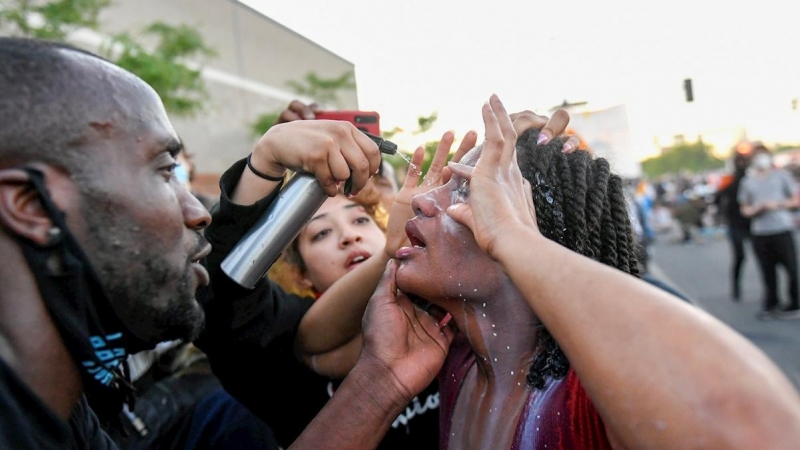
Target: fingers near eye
[506,128]
[492,149]
[461,170]
[442,150]
[467,144]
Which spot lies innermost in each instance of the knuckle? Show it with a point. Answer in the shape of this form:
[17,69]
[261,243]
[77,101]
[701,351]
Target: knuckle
[361,165]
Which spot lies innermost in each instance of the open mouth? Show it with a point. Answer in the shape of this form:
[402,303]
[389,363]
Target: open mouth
[356,258]
[414,236]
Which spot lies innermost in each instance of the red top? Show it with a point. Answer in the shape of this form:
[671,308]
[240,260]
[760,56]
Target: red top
[560,417]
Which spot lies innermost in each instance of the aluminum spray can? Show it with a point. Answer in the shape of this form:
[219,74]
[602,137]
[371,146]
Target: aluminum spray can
[295,205]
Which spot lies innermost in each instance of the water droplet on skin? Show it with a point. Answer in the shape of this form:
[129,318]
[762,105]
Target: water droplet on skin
[475,290]
[494,334]
[512,372]
[484,314]
[508,347]
[492,325]
[484,304]
[406,158]
[495,360]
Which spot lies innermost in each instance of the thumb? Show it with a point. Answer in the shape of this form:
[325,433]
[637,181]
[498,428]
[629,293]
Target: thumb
[386,291]
[461,213]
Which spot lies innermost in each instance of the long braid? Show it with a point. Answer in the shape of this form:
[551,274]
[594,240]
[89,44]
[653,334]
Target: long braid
[619,209]
[579,204]
[594,204]
[608,235]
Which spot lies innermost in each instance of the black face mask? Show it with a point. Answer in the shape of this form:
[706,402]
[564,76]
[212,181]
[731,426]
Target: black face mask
[95,337]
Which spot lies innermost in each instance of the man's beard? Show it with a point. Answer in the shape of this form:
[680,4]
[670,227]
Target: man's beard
[150,295]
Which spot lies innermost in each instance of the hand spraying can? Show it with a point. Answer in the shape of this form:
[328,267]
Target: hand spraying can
[295,205]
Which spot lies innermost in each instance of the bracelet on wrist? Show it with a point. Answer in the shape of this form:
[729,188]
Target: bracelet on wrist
[262,174]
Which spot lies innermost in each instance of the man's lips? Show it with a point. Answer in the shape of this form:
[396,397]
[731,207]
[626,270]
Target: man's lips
[200,272]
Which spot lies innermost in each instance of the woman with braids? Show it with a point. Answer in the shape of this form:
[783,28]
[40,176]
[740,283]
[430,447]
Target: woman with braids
[560,346]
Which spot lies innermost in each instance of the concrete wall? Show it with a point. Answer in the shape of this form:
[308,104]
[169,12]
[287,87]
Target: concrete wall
[256,57]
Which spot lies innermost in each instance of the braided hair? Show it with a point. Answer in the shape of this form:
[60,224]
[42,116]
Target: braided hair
[579,204]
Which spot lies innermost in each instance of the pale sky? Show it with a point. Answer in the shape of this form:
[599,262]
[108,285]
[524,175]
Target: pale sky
[415,57]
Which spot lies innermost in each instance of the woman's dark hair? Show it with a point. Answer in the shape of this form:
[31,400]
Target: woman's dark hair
[579,204]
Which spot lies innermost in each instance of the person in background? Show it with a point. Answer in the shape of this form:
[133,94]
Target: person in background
[767,195]
[727,201]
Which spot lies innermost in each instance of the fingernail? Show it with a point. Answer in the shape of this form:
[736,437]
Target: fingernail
[445,320]
[567,148]
[542,139]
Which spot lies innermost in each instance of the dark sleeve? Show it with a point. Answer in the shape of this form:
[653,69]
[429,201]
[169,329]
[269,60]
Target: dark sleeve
[245,328]
[86,428]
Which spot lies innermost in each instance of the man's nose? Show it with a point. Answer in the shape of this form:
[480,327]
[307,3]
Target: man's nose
[195,215]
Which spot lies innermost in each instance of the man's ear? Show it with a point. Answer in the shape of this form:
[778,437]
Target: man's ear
[21,212]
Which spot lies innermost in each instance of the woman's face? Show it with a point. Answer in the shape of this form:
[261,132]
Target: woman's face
[444,263]
[339,237]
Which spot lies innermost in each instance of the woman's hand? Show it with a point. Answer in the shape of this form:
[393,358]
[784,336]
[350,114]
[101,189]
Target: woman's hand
[401,208]
[549,127]
[500,199]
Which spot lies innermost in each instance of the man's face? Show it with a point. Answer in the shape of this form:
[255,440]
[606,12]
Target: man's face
[444,264]
[137,223]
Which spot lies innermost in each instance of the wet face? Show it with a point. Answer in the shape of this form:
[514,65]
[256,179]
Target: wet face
[444,264]
[138,224]
[340,237]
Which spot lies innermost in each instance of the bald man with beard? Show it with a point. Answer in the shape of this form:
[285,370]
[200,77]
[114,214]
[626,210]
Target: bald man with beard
[102,253]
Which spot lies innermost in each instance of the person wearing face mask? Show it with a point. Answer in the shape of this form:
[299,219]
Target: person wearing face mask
[767,195]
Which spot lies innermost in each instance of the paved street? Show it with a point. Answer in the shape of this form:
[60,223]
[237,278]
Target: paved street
[702,273]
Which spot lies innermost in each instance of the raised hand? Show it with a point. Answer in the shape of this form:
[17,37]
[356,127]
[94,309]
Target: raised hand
[298,110]
[331,150]
[499,198]
[554,126]
[401,210]
[402,338]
